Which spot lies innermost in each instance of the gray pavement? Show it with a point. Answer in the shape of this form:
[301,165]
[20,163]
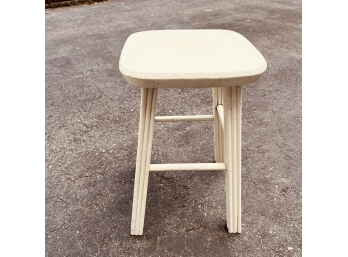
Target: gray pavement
[92,124]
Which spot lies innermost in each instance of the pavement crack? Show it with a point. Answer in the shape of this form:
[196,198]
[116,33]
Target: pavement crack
[282,193]
[193,229]
[258,187]
[60,227]
[61,199]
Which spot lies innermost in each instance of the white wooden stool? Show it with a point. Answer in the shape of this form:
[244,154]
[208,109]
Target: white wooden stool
[220,59]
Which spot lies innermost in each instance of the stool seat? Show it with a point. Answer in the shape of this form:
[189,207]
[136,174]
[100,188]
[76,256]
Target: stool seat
[190,59]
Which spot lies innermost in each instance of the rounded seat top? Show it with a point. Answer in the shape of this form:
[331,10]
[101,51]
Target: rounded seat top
[190,59]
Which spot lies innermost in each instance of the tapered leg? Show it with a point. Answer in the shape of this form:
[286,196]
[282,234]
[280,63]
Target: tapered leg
[146,127]
[218,132]
[232,99]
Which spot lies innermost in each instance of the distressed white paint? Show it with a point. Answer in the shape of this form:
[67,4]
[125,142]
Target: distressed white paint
[221,59]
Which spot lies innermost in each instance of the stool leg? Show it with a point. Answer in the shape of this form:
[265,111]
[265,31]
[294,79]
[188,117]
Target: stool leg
[218,132]
[232,153]
[146,127]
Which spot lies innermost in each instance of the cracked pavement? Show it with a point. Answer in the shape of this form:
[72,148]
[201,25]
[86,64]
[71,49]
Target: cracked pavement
[92,125]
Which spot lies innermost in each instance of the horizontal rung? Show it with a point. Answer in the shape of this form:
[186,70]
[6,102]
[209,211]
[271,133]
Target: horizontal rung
[187,166]
[184,118]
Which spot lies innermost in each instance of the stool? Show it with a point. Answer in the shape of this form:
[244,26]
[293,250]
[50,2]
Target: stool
[219,59]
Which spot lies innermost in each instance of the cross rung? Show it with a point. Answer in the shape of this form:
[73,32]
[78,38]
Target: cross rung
[187,166]
[184,118]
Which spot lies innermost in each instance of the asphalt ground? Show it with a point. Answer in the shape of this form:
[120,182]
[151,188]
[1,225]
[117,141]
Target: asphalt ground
[92,127]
